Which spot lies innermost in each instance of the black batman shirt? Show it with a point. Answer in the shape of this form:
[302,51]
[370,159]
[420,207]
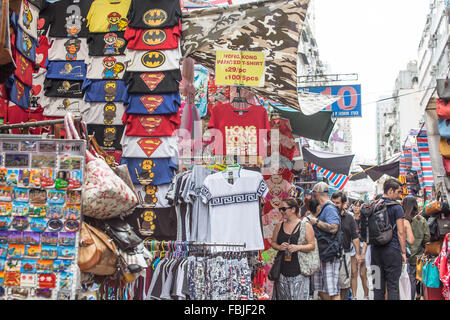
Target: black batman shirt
[106,44]
[63,88]
[107,136]
[153,82]
[66,18]
[159,223]
[154,14]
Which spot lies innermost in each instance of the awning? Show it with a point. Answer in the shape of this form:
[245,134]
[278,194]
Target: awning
[376,172]
[338,163]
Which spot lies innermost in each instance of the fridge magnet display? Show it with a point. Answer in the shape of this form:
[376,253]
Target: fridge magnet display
[44,266]
[50,238]
[5,223]
[14,237]
[24,178]
[3,250]
[16,251]
[5,208]
[55,212]
[6,194]
[70,163]
[54,225]
[38,224]
[72,225]
[74,180]
[38,196]
[12,279]
[49,252]
[10,146]
[72,212]
[20,194]
[37,211]
[20,223]
[47,147]
[66,252]
[73,197]
[3,173]
[65,281]
[28,266]
[56,196]
[32,251]
[66,239]
[47,280]
[11,179]
[13,265]
[19,209]
[62,265]
[43,160]
[28,146]
[28,280]
[17,160]
[30,237]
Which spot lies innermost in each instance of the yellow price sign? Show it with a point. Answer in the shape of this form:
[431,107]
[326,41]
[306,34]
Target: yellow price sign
[240,68]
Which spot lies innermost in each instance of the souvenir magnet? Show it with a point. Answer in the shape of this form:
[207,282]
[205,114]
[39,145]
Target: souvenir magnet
[24,178]
[43,293]
[44,266]
[32,251]
[73,197]
[30,146]
[62,265]
[10,146]
[70,163]
[17,160]
[2,290]
[35,178]
[12,265]
[6,194]
[14,237]
[4,237]
[3,250]
[5,209]
[28,280]
[12,177]
[19,209]
[66,252]
[2,277]
[50,238]
[66,239]
[54,225]
[47,147]
[12,279]
[28,266]
[38,224]
[37,211]
[74,180]
[49,252]
[55,212]
[56,197]
[72,212]
[5,223]
[3,174]
[16,251]
[43,161]
[19,293]
[32,238]
[72,225]
[38,196]
[47,280]
[2,264]
[65,280]
[20,223]
[63,295]
[47,178]
[61,180]
[20,194]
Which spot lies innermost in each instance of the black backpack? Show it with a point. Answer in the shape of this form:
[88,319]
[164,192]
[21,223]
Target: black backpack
[330,245]
[375,220]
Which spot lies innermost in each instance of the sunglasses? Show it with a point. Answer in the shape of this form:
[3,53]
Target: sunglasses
[283,209]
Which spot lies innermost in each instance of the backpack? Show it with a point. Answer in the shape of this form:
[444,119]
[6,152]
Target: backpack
[330,245]
[376,220]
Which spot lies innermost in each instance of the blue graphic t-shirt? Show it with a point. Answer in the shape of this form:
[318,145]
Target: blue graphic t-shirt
[20,93]
[104,90]
[66,70]
[153,104]
[25,44]
[158,170]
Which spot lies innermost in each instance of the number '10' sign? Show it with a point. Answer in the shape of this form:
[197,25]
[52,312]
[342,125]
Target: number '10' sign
[349,105]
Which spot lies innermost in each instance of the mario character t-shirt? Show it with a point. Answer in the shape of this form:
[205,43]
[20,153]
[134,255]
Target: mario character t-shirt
[104,90]
[105,67]
[153,82]
[108,16]
[67,49]
[153,104]
[107,44]
[154,14]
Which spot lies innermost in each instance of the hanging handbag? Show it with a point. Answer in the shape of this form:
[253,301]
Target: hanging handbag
[432,275]
[443,89]
[443,108]
[446,163]
[444,128]
[432,208]
[419,268]
[309,261]
[444,147]
[122,233]
[433,248]
[443,227]
[97,253]
[105,195]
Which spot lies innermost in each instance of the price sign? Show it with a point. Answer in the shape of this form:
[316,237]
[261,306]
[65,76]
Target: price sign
[240,68]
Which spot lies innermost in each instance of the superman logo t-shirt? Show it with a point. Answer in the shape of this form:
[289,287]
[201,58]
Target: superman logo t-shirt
[149,147]
[151,125]
[153,82]
[153,104]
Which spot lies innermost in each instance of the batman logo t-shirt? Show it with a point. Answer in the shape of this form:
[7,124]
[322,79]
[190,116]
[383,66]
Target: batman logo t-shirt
[154,14]
[152,60]
[107,44]
[107,136]
[104,90]
[153,39]
[153,104]
[153,82]
[63,88]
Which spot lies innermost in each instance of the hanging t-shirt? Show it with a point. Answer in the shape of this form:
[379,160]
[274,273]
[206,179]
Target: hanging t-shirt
[16,114]
[286,141]
[160,170]
[66,70]
[153,195]
[151,126]
[153,104]
[150,147]
[42,52]
[24,68]
[109,113]
[66,18]
[63,88]
[106,44]
[64,49]
[144,61]
[154,14]
[58,107]
[37,90]
[107,136]
[19,92]
[201,77]
[25,44]
[234,208]
[105,67]
[108,15]
[28,18]
[38,3]
[153,82]
[153,39]
[104,90]
[240,130]
[159,223]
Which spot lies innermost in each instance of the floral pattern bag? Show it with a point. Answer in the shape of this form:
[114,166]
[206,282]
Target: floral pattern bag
[105,195]
[309,261]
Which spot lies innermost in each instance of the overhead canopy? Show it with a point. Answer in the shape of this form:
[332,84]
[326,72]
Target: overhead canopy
[335,162]
[358,176]
[272,27]
[317,126]
[375,173]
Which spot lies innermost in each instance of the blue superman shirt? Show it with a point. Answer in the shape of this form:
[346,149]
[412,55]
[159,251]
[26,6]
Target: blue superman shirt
[20,93]
[153,104]
[158,170]
[104,90]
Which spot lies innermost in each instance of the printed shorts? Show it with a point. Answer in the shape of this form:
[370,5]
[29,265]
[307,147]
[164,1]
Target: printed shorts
[327,278]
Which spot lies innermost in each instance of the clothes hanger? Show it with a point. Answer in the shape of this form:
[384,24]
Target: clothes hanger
[240,100]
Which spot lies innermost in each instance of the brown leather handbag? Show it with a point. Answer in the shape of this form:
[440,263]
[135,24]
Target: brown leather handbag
[433,248]
[97,252]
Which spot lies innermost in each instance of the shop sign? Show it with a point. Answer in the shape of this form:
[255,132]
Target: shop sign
[349,105]
[240,68]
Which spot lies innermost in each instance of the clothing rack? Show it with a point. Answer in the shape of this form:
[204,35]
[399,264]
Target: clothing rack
[186,244]
[23,125]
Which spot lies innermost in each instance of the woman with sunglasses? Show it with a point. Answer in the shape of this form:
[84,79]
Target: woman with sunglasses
[292,285]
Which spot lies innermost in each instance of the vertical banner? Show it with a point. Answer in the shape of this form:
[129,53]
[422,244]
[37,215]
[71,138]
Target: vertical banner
[240,68]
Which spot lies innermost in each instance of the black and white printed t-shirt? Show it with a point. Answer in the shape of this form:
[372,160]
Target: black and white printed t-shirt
[109,113]
[67,49]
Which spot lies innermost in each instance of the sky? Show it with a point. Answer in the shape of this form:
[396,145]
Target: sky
[375,39]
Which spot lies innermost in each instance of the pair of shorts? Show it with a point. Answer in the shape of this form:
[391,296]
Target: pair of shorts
[327,278]
[345,276]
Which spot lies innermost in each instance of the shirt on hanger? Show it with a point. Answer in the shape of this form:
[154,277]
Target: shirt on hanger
[42,52]
[108,15]
[153,60]
[63,88]
[104,90]
[28,18]
[24,68]
[234,208]
[66,18]
[107,136]
[67,49]
[19,92]
[150,147]
[105,67]
[154,14]
[153,39]
[151,126]
[66,70]
[58,107]
[241,130]
[153,195]
[106,44]
[153,82]
[16,114]
[103,112]
[160,223]
[153,104]
[159,170]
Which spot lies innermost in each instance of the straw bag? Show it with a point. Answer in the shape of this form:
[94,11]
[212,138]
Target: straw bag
[443,109]
[444,147]
[105,195]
